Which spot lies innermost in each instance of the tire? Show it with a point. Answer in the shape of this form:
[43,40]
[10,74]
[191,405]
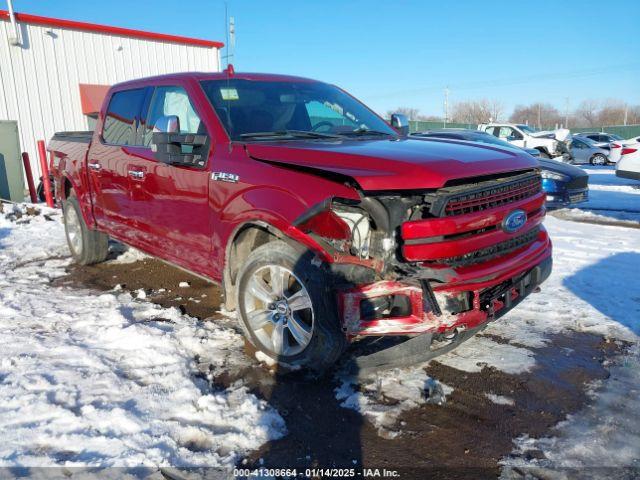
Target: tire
[544,154]
[86,246]
[598,159]
[296,325]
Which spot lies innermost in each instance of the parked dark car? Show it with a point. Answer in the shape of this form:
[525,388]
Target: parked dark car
[564,184]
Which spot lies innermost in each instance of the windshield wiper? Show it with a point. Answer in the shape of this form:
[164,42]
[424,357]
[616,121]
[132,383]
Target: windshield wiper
[366,132]
[288,133]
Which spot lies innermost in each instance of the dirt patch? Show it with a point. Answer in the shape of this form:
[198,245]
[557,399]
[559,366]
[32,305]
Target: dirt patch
[465,438]
[160,283]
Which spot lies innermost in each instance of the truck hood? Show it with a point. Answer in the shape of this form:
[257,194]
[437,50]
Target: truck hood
[394,164]
[560,134]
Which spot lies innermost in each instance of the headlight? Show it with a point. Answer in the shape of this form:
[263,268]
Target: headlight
[554,176]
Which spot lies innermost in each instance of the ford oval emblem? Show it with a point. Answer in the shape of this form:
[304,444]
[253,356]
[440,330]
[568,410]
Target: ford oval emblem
[514,221]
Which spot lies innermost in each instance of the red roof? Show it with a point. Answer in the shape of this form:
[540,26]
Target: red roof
[93,27]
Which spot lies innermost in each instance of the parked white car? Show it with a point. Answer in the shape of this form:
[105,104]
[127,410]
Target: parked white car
[616,148]
[629,164]
[550,143]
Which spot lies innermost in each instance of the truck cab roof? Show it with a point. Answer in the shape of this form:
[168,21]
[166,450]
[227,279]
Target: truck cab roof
[199,76]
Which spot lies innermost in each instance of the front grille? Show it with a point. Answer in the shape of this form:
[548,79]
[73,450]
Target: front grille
[492,197]
[482,194]
[493,251]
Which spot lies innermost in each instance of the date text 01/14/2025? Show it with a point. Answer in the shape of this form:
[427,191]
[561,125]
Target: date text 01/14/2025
[316,473]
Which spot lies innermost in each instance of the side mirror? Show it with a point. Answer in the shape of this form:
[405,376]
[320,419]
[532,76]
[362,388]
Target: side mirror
[175,148]
[401,123]
[167,124]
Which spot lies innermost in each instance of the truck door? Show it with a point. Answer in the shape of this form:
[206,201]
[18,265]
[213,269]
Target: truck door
[170,202]
[512,136]
[107,160]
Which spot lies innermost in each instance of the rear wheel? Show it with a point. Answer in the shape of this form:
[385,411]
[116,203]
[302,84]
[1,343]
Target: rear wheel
[598,159]
[287,307]
[87,246]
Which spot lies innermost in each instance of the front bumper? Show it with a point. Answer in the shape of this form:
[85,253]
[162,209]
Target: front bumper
[628,174]
[566,197]
[429,307]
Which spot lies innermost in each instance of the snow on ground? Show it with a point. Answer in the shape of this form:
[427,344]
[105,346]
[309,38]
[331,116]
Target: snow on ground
[611,196]
[382,397]
[96,379]
[612,217]
[606,434]
[107,379]
[129,255]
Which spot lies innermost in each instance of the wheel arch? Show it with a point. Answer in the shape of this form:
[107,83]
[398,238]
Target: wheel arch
[250,235]
[543,150]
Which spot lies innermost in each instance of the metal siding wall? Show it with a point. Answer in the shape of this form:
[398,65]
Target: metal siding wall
[39,81]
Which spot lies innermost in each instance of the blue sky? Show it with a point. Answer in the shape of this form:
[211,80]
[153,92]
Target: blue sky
[404,53]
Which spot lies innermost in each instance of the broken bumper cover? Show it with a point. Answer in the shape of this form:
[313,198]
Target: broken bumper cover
[428,310]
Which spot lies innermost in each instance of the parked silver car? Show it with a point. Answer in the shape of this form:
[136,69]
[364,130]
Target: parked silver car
[600,138]
[585,150]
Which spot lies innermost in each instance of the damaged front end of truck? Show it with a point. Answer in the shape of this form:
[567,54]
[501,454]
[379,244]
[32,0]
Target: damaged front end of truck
[436,264]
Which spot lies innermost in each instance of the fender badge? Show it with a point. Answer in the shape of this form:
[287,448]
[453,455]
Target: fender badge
[225,177]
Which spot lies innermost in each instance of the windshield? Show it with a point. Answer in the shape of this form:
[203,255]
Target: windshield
[258,110]
[527,128]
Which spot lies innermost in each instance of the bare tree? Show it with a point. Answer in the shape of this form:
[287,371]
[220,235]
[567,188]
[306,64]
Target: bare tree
[612,112]
[538,114]
[633,115]
[587,113]
[411,113]
[477,111]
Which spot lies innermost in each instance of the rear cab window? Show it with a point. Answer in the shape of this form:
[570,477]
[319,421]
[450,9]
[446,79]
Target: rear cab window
[122,115]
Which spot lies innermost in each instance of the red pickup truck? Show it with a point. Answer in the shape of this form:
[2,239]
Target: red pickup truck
[322,222]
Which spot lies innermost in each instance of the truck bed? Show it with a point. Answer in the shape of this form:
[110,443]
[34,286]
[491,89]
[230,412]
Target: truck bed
[83,136]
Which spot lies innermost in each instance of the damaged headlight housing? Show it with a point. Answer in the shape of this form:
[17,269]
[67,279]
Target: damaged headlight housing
[344,226]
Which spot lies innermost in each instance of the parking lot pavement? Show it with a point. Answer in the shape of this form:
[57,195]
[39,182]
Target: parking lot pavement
[496,404]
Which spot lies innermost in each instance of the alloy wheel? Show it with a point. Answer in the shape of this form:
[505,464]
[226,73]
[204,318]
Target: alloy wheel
[74,230]
[279,310]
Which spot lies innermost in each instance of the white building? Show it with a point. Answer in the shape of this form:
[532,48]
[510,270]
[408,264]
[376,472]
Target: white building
[54,73]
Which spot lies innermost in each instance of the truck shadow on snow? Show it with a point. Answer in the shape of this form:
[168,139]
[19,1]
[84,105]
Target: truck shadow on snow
[610,286]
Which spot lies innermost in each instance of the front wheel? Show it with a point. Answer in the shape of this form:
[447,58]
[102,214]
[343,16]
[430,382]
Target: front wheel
[287,307]
[598,159]
[87,246]
[544,154]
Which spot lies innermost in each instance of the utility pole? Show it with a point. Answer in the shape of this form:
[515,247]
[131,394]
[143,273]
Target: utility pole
[539,122]
[626,113]
[566,112]
[446,106]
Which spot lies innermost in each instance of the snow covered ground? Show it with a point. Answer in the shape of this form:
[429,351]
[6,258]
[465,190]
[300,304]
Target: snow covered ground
[110,380]
[609,197]
[92,379]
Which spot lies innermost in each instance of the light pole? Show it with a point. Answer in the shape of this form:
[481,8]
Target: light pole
[446,106]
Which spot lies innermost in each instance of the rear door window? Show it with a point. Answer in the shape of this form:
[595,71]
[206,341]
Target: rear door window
[122,116]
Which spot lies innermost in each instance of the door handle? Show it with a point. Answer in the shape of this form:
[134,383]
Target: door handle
[95,166]
[136,174]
